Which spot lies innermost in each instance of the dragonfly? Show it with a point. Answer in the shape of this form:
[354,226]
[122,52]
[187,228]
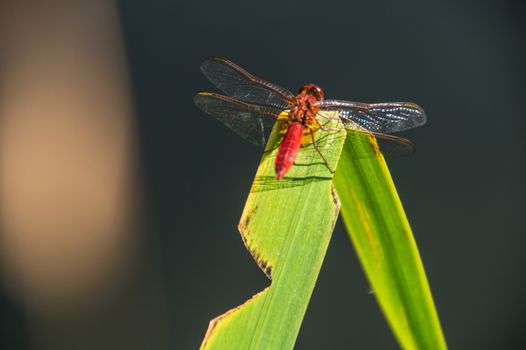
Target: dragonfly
[251,106]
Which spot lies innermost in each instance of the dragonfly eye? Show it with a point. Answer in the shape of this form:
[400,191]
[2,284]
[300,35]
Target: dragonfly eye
[318,92]
[314,90]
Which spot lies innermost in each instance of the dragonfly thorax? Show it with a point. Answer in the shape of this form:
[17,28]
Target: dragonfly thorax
[305,105]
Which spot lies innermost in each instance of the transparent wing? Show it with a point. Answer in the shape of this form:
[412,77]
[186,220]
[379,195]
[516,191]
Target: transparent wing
[238,83]
[251,122]
[370,143]
[377,117]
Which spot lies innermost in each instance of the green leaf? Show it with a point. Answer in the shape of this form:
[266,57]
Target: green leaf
[286,225]
[382,237]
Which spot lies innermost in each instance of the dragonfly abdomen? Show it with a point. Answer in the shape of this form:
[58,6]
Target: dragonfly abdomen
[288,149]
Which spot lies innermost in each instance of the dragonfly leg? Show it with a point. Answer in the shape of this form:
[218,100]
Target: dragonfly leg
[319,152]
[322,127]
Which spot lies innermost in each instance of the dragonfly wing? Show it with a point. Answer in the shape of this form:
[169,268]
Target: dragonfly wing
[370,143]
[238,83]
[251,122]
[377,117]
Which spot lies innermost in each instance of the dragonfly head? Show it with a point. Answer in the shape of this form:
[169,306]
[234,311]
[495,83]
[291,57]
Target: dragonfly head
[313,90]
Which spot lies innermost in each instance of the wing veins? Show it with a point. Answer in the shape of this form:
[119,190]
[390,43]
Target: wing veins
[270,94]
[251,122]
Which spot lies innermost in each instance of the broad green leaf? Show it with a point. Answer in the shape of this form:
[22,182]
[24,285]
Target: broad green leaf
[382,237]
[286,225]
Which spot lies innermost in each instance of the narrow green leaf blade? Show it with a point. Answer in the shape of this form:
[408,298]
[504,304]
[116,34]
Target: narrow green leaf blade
[379,230]
[286,225]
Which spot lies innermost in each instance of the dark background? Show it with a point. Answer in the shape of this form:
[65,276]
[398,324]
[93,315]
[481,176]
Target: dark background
[463,191]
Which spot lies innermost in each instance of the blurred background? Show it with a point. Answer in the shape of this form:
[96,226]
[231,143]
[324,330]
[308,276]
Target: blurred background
[118,231]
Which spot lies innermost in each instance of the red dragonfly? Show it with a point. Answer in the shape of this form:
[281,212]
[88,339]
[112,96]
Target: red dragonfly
[253,105]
